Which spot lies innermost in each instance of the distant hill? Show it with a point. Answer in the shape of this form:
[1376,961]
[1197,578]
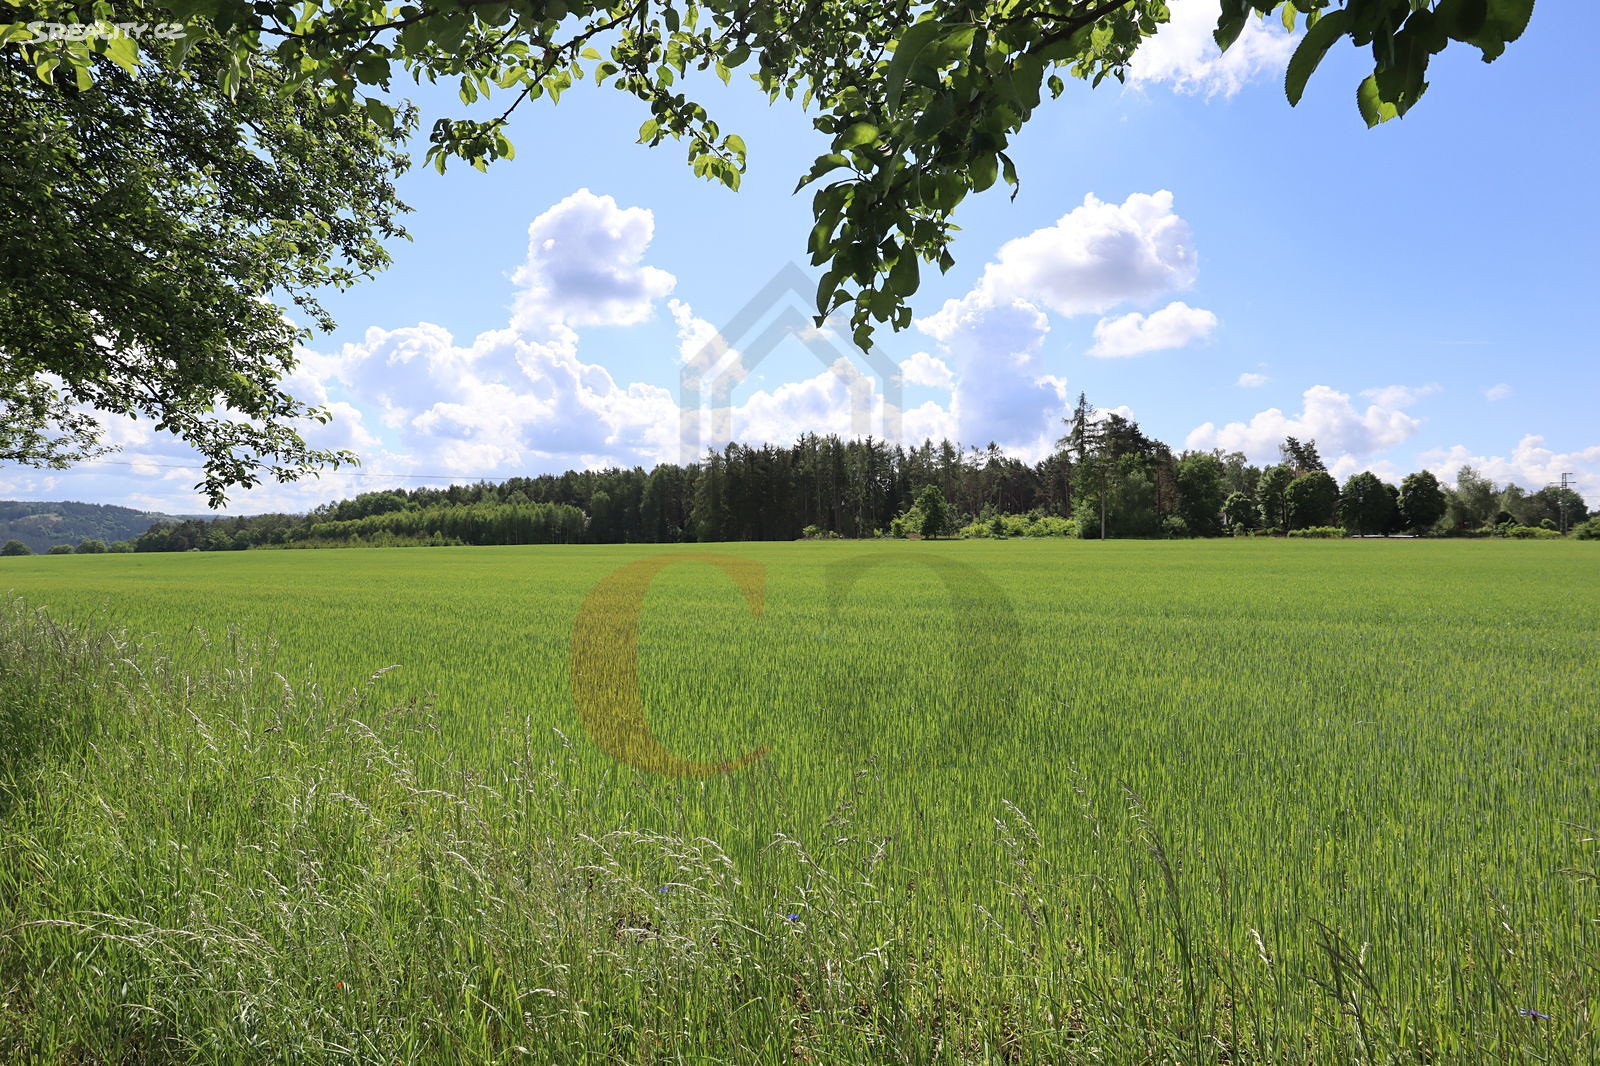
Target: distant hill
[42,525]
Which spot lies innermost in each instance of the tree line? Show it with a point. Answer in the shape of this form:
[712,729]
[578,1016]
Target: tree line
[1105,479]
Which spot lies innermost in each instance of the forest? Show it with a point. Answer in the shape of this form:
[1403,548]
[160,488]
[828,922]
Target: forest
[1106,479]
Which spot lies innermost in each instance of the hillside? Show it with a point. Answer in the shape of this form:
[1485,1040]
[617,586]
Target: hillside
[40,525]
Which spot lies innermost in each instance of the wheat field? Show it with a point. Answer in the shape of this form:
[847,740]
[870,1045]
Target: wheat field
[1227,801]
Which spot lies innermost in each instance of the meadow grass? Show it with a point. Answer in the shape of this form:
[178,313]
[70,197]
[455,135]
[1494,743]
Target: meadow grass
[1024,802]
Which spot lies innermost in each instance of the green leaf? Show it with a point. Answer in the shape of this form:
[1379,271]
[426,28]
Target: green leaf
[905,275]
[124,53]
[1313,46]
[1369,98]
[983,171]
[856,135]
[936,117]
[1462,19]
[1231,23]
[1504,21]
[906,51]
[825,163]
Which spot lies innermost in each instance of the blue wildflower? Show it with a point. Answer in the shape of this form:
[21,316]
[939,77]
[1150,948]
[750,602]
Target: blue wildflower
[1528,1012]
[792,917]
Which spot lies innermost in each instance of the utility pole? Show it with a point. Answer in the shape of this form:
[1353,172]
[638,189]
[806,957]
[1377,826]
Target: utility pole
[1566,486]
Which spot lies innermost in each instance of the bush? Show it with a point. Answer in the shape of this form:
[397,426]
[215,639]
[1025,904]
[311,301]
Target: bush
[1530,533]
[1174,526]
[1034,524]
[1318,532]
[1589,530]
[15,547]
[61,549]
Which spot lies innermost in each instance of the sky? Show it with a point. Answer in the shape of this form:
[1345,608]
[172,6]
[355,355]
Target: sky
[1186,249]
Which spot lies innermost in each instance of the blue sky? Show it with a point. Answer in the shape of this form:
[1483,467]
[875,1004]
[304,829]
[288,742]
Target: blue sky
[1187,247]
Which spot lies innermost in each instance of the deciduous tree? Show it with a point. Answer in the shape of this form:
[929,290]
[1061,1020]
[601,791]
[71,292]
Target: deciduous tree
[1272,496]
[1201,493]
[1312,500]
[1365,506]
[151,222]
[1422,501]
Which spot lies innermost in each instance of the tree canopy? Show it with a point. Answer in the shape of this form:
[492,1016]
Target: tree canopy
[158,231]
[256,136]
[919,101]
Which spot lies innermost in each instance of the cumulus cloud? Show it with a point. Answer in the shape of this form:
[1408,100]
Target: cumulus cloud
[1097,256]
[1496,393]
[926,370]
[1002,392]
[1094,258]
[1531,464]
[1184,54]
[1248,380]
[1174,326]
[1327,416]
[585,268]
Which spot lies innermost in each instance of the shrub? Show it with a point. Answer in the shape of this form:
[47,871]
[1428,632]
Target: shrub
[1530,533]
[1589,530]
[61,549]
[1318,532]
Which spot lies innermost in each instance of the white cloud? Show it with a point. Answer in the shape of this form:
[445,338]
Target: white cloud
[1496,393]
[928,371]
[1174,326]
[1328,417]
[1002,392]
[1248,380]
[584,266]
[1399,395]
[1095,257]
[1184,54]
[1531,464]
[1342,466]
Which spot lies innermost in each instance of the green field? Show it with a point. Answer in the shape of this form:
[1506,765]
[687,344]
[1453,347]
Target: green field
[1222,801]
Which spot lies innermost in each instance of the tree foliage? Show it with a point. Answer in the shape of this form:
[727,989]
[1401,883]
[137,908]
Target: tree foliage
[1365,506]
[1272,496]
[1201,493]
[936,521]
[1312,500]
[161,227]
[1422,501]
[918,102]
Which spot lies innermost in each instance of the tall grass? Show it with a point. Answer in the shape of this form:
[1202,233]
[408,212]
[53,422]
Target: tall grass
[1210,803]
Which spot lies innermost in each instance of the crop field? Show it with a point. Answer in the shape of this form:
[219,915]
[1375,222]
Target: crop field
[1218,801]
